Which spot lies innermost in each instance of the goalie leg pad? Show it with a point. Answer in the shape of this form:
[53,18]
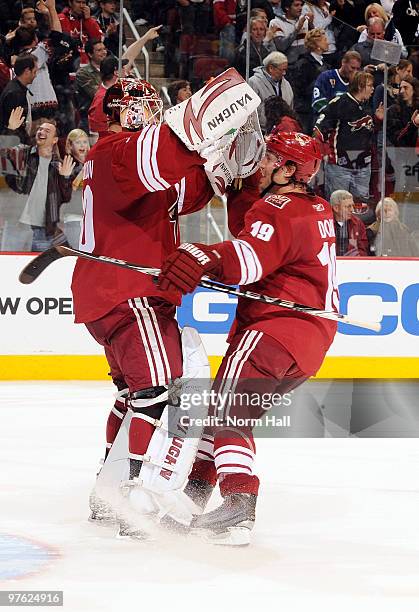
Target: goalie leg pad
[162,465]
[172,448]
[147,406]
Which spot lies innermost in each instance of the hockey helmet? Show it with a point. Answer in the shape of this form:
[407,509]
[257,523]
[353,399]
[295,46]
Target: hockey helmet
[136,96]
[299,148]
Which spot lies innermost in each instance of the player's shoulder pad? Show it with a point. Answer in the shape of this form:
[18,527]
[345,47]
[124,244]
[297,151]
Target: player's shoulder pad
[335,99]
[277,200]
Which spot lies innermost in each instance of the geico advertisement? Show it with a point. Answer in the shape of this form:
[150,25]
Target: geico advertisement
[38,318]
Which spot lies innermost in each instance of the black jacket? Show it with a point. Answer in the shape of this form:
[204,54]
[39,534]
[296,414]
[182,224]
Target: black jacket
[401,131]
[307,69]
[59,187]
[348,126]
[13,95]
[405,17]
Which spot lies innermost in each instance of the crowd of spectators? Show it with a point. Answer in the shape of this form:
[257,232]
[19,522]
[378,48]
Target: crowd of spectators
[310,63]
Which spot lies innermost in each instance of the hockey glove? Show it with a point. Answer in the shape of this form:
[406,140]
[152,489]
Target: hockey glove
[184,268]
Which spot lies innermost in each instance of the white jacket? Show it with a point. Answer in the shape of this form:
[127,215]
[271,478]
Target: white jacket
[262,85]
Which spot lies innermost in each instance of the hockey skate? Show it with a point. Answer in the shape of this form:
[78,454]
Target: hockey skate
[199,492]
[231,523]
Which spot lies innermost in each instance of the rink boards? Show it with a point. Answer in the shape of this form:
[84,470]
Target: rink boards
[39,340]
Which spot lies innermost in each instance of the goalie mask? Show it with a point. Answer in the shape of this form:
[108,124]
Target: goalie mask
[301,149]
[134,103]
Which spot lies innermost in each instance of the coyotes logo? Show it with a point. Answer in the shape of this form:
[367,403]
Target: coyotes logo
[365,122]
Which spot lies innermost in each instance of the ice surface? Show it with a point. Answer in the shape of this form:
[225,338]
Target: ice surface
[337,526]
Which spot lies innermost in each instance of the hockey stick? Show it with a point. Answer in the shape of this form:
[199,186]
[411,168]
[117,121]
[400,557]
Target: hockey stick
[38,265]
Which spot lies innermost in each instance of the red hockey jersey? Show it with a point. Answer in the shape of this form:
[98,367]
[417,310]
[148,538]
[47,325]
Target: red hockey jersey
[286,249]
[135,186]
[80,29]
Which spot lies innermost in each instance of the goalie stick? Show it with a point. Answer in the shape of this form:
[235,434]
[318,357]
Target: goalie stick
[38,265]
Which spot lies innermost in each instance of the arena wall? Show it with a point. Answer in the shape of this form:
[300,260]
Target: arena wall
[39,340]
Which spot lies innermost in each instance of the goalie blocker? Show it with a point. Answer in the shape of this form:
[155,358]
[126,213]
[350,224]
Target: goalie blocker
[220,122]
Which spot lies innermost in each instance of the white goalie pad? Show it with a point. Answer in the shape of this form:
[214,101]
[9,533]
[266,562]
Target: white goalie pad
[172,448]
[116,467]
[222,106]
[174,443]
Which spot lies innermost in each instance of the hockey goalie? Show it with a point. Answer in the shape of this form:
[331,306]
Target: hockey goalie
[138,180]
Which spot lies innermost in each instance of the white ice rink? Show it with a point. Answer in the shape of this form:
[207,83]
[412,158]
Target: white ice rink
[337,526]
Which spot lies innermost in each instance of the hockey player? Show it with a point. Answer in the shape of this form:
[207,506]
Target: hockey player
[137,181]
[285,248]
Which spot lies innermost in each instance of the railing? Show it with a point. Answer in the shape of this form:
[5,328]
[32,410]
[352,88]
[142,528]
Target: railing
[213,225]
[165,95]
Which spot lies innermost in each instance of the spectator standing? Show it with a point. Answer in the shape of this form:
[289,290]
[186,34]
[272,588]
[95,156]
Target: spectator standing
[77,147]
[403,134]
[349,14]
[259,8]
[98,120]
[403,116]
[291,31]
[88,79]
[45,179]
[347,125]
[16,94]
[27,18]
[270,79]
[109,25]
[332,83]
[396,75]
[351,235]
[324,21]
[375,30]
[225,24]
[43,19]
[76,21]
[391,33]
[258,50]
[309,67]
[280,115]
[44,99]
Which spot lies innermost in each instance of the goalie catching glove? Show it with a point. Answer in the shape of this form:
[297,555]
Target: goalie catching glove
[184,268]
